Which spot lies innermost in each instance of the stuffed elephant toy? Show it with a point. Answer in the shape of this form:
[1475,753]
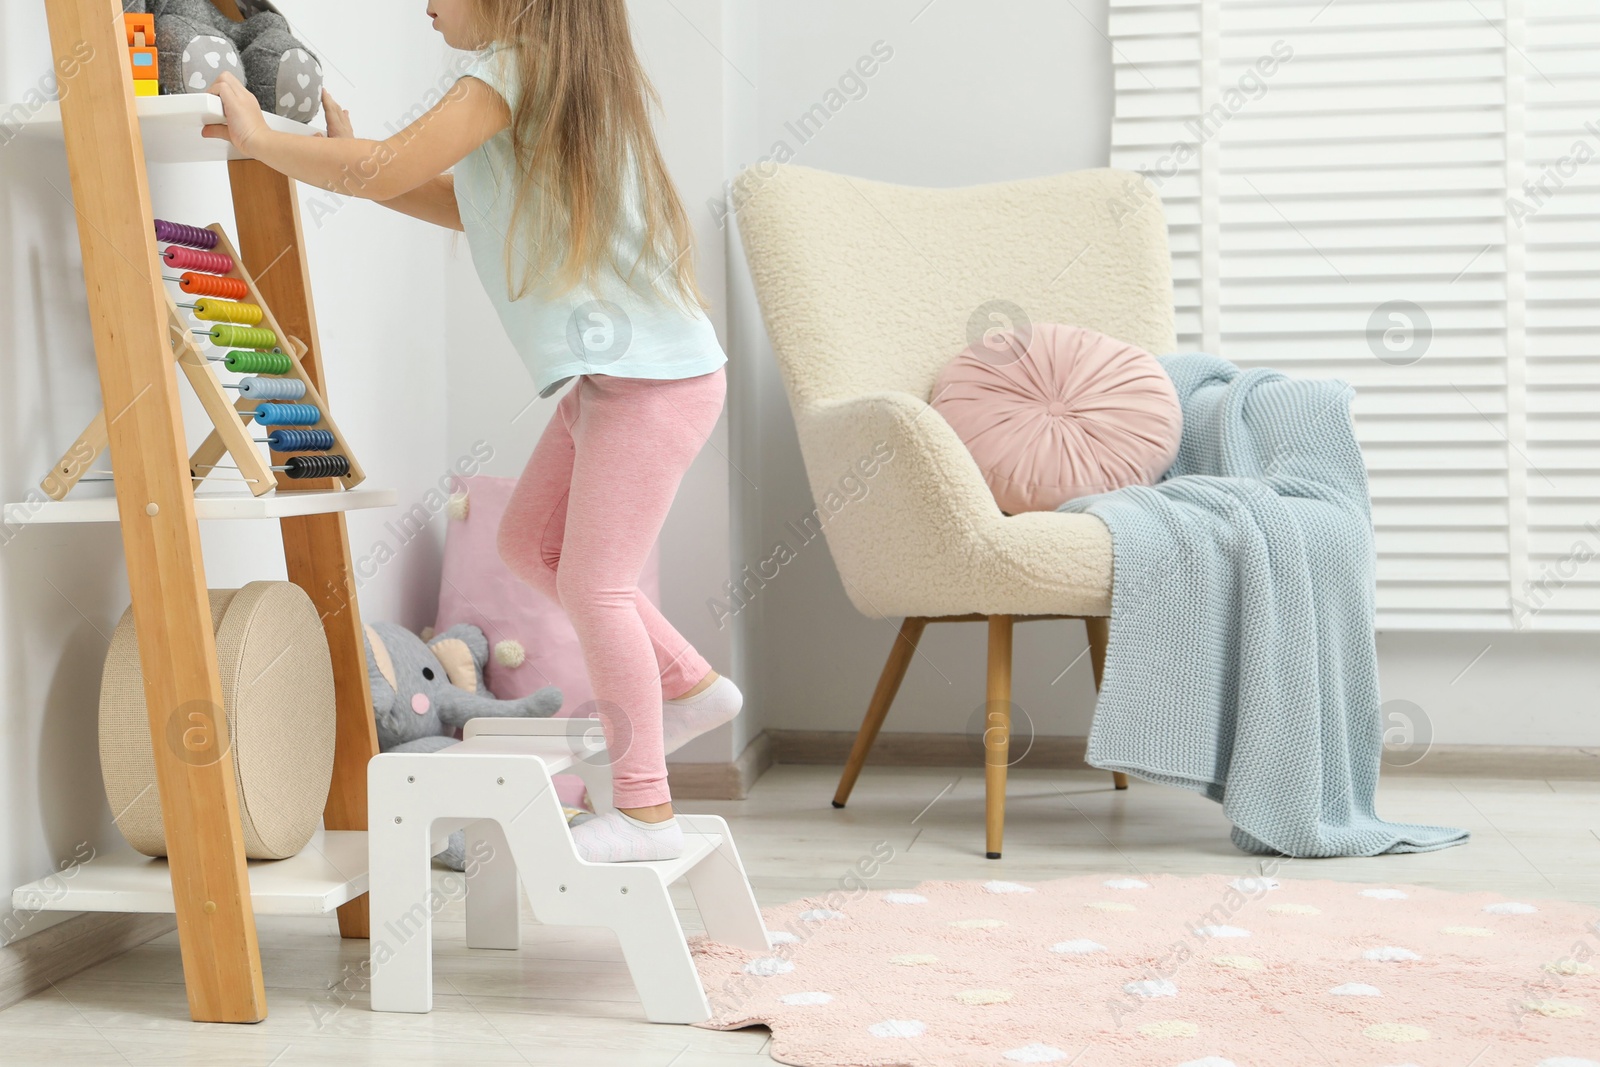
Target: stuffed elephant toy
[425,691]
[198,44]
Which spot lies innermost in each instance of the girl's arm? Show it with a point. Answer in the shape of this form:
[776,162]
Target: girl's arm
[411,164]
[433,201]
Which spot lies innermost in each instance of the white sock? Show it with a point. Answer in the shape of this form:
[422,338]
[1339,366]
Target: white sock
[618,838]
[685,719]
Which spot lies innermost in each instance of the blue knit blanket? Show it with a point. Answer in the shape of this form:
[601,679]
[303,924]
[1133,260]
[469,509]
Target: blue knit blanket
[1243,663]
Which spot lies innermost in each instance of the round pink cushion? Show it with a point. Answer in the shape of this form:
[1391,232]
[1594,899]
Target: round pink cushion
[1059,412]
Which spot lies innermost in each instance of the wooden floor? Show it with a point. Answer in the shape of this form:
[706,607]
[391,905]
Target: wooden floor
[565,999]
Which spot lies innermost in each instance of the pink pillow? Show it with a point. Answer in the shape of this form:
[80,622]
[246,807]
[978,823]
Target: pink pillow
[478,588]
[1057,412]
[531,643]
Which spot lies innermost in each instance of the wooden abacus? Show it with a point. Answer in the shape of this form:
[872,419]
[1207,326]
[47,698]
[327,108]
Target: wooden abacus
[308,456]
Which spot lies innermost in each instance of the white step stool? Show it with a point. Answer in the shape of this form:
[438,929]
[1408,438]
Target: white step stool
[497,785]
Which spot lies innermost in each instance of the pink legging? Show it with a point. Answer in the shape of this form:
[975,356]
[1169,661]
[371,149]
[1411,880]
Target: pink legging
[579,528]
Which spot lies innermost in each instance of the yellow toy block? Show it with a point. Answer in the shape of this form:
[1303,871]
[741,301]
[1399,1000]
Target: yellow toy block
[146,88]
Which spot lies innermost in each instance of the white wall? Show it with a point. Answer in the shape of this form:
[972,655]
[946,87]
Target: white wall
[1492,689]
[379,293]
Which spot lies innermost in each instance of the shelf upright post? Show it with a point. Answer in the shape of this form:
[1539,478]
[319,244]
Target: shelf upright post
[266,210]
[155,501]
[316,547]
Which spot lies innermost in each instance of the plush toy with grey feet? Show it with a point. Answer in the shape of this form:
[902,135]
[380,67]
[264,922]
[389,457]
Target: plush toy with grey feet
[283,75]
[425,691]
[198,44]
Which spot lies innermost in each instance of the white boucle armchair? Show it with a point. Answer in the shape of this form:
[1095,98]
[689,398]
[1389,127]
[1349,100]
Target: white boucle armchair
[868,290]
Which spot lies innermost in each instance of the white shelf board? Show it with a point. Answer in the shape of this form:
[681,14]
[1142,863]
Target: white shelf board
[274,505]
[170,126]
[330,871]
[559,743]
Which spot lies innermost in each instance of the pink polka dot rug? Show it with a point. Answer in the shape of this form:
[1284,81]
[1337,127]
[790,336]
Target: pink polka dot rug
[1167,972]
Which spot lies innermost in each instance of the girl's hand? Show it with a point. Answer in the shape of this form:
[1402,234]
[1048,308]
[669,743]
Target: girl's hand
[243,112]
[338,118]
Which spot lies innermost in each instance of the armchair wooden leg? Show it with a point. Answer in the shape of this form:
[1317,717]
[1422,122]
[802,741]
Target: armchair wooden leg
[894,672]
[997,733]
[1099,631]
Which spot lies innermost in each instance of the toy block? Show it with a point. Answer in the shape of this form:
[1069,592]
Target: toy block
[145,63]
[141,30]
[143,59]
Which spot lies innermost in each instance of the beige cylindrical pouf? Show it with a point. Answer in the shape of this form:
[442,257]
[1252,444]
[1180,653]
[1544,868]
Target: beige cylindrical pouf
[277,689]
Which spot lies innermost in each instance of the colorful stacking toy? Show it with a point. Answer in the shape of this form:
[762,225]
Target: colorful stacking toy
[142,55]
[274,391]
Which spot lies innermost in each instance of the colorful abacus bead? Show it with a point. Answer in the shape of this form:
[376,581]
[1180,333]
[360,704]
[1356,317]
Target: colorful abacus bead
[316,467]
[301,440]
[286,415]
[193,259]
[175,233]
[240,337]
[272,388]
[206,285]
[210,310]
[256,362]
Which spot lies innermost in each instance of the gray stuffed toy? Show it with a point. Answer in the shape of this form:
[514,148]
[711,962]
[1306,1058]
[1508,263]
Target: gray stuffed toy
[425,691]
[198,44]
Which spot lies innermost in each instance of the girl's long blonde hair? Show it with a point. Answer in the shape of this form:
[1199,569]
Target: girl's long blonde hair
[583,140]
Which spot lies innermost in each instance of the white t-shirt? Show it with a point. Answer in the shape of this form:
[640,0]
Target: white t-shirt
[609,328]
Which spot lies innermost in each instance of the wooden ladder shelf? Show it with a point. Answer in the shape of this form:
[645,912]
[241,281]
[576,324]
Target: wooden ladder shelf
[131,312]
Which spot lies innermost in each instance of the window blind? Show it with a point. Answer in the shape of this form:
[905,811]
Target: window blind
[1404,194]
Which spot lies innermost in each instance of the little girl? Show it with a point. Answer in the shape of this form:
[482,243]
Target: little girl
[585,248]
